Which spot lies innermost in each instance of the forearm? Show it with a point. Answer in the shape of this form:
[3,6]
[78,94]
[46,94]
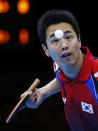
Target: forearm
[51,88]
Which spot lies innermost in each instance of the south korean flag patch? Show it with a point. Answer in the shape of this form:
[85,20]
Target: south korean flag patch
[87,107]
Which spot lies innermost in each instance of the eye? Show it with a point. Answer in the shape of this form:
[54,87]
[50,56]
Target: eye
[54,40]
[69,37]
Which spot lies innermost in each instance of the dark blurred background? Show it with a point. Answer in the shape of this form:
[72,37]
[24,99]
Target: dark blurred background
[22,62]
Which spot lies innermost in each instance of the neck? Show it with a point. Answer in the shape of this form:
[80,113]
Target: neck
[72,70]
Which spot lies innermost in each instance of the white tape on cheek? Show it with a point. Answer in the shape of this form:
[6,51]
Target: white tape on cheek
[58,34]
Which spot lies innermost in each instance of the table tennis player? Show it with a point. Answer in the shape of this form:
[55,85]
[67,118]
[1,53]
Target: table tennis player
[77,73]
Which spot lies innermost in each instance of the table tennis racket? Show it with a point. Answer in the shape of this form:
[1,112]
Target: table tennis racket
[22,99]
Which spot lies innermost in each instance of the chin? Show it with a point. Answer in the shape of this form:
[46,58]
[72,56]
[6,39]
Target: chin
[68,63]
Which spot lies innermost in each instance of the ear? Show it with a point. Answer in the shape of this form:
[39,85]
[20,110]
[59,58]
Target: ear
[79,39]
[45,50]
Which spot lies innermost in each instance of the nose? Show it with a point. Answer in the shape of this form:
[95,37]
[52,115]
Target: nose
[64,45]
[64,48]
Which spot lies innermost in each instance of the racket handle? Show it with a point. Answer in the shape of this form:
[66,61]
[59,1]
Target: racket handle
[34,85]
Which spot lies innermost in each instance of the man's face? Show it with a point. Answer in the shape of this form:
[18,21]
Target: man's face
[63,51]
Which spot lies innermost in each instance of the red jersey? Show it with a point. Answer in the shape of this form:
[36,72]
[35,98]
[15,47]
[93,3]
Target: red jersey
[80,96]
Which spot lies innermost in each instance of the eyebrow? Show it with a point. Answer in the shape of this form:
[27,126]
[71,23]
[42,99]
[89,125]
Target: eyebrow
[52,35]
[66,32]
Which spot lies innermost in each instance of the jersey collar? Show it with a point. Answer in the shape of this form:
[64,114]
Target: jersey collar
[86,69]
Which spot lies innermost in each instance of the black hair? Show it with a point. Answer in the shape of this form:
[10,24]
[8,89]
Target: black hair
[55,17]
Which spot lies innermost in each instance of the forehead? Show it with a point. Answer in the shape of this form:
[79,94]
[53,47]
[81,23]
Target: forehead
[63,26]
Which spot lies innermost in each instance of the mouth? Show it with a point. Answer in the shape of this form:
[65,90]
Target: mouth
[65,55]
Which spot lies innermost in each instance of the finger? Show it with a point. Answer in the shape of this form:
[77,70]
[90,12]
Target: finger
[33,98]
[23,94]
[32,94]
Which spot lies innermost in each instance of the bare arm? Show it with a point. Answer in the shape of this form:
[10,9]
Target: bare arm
[51,88]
